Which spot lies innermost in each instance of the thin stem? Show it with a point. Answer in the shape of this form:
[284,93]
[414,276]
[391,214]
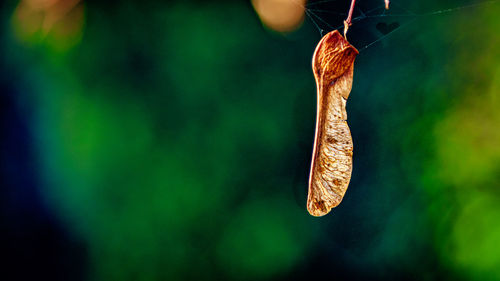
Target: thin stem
[348,21]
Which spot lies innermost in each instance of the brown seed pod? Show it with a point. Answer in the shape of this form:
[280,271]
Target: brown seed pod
[331,165]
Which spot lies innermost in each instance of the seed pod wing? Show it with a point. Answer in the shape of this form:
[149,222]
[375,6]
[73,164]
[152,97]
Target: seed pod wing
[331,165]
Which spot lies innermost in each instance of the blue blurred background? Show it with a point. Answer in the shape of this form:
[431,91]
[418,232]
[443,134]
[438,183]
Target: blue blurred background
[171,140]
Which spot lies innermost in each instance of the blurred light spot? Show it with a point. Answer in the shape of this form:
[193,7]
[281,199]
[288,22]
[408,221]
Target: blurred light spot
[58,23]
[280,15]
[476,237]
[468,141]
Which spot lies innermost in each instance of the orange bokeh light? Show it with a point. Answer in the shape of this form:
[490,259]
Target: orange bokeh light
[280,15]
[56,22]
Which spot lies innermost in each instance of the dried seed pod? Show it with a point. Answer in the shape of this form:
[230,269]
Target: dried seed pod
[331,165]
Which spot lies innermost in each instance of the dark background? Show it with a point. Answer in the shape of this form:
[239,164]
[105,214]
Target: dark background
[172,141]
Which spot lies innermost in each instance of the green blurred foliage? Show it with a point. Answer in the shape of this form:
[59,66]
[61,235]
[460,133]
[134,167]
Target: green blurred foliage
[173,138]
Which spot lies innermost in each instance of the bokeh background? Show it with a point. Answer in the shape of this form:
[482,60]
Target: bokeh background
[171,140]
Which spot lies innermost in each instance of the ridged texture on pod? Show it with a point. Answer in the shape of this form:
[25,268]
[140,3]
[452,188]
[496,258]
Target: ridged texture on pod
[331,164]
